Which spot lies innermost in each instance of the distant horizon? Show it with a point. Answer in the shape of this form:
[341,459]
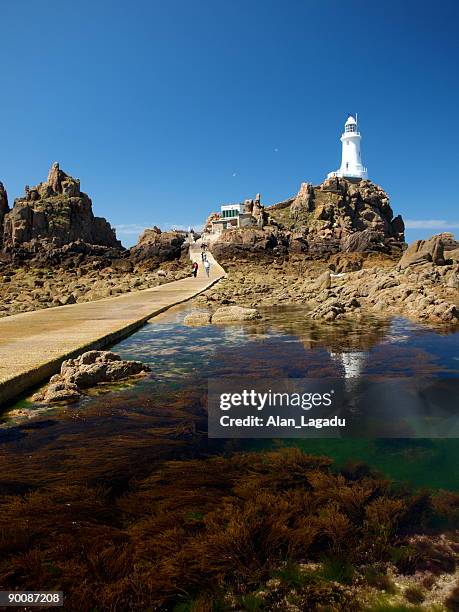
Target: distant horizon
[169,110]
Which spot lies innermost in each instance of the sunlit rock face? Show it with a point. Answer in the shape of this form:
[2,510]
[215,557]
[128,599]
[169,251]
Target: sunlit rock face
[52,214]
[155,247]
[337,216]
[342,215]
[4,208]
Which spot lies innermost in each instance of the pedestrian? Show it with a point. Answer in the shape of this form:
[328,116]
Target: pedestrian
[203,257]
[207,266]
[194,269]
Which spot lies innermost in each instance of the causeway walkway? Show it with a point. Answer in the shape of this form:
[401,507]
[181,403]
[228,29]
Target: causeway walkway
[34,344]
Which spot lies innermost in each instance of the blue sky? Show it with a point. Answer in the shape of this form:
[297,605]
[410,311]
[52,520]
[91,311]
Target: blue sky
[165,110]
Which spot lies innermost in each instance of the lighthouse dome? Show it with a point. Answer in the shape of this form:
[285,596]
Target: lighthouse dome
[350,125]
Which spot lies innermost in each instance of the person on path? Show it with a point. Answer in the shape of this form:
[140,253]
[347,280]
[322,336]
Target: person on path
[203,256]
[194,269]
[207,266]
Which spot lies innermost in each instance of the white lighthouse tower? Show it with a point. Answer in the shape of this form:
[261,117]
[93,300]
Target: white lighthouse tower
[351,160]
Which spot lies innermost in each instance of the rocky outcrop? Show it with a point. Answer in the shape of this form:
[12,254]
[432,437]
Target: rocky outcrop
[4,209]
[155,247]
[249,241]
[257,210]
[425,292]
[87,370]
[338,216]
[61,277]
[438,249]
[424,251]
[53,214]
[303,204]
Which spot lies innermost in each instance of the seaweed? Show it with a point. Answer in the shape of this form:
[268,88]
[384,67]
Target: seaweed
[192,532]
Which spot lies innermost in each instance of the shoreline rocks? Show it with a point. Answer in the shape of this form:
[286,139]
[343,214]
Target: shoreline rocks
[88,370]
[425,291]
[224,314]
[197,318]
[78,278]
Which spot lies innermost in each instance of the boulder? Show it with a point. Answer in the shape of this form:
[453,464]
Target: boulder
[323,282]
[231,314]
[155,247]
[197,318]
[453,281]
[249,241]
[453,255]
[88,370]
[423,251]
[58,392]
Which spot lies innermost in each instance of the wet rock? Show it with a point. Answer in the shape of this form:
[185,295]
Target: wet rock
[230,314]
[88,370]
[58,392]
[197,318]
[328,311]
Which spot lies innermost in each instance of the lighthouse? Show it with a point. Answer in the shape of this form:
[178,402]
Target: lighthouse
[351,159]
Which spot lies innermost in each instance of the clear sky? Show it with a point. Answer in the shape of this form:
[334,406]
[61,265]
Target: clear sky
[167,109]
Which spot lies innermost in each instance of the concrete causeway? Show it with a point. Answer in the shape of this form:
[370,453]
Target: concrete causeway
[34,344]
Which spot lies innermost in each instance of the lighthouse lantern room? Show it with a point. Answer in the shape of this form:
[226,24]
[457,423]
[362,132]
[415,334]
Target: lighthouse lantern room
[351,160]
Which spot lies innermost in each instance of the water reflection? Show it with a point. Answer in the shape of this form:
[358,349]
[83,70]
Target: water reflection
[117,432]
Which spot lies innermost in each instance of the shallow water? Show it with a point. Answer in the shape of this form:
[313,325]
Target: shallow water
[118,431]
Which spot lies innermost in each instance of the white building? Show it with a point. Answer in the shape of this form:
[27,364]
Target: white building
[351,159]
[233,216]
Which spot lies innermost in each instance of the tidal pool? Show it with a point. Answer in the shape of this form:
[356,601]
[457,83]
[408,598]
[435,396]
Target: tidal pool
[117,432]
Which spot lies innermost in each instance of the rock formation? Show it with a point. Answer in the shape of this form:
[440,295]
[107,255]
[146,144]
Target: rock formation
[155,246]
[87,370]
[338,216]
[249,241]
[424,251]
[53,214]
[4,208]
